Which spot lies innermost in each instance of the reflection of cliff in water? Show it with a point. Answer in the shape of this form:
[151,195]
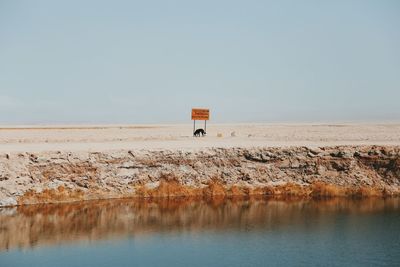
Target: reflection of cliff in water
[30,226]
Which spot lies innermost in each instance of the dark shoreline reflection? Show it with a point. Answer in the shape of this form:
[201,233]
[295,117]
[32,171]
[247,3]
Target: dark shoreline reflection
[47,225]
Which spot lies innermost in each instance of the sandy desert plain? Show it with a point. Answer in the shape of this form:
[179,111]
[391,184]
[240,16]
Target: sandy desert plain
[37,138]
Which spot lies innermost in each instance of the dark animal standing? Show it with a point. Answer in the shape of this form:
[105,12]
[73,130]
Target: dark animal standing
[198,132]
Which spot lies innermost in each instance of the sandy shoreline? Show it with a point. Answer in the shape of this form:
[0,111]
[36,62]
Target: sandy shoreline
[61,164]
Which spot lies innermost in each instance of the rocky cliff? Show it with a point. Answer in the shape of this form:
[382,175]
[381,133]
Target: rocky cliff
[27,178]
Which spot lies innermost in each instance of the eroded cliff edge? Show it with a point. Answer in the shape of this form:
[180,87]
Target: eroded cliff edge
[49,177]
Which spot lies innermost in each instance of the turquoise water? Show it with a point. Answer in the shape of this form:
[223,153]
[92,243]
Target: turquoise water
[264,232]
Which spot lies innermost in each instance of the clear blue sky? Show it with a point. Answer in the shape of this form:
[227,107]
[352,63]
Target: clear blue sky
[151,61]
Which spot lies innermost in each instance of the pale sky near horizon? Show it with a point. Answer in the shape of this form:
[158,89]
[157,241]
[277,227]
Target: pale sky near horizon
[151,61]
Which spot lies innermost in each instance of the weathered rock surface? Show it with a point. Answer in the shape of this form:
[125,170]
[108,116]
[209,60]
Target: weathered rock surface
[27,178]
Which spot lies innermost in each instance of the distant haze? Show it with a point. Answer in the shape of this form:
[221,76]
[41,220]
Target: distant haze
[152,61]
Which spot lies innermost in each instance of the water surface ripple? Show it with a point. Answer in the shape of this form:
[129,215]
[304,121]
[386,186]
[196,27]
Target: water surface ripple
[256,232]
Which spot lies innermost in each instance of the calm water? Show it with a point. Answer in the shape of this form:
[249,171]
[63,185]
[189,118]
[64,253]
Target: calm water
[261,232]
